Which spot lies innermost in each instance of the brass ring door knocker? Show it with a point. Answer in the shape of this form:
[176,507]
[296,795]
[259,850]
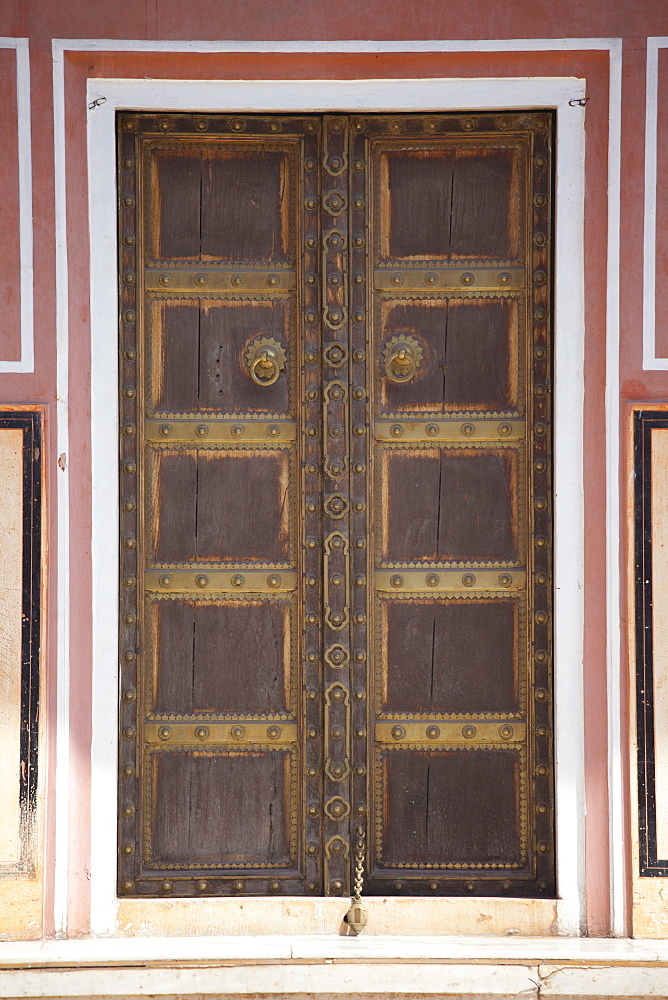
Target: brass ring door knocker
[402,357]
[266,360]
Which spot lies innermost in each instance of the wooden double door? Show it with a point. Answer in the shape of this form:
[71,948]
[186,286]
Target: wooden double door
[335,504]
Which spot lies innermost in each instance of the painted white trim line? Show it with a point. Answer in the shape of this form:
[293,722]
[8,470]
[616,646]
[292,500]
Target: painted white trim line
[346,95]
[651,362]
[26,364]
[62,791]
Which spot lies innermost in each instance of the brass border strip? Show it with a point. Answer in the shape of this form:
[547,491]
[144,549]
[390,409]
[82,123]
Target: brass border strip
[402,279]
[207,581]
[469,428]
[203,430]
[202,280]
[448,580]
[446,732]
[237,733]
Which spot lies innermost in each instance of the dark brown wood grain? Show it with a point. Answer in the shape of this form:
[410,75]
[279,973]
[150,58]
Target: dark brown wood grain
[222,656]
[176,183]
[450,806]
[225,808]
[450,656]
[449,203]
[470,354]
[216,506]
[451,504]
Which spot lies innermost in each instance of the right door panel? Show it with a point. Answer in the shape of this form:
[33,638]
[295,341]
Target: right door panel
[460,762]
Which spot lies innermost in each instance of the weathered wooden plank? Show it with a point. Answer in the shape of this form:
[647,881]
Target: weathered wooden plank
[450,656]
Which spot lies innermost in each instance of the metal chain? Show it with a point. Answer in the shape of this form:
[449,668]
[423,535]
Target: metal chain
[359,865]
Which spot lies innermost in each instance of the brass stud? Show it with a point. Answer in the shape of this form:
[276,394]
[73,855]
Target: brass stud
[540,200]
[539,353]
[468,579]
[540,465]
[201,124]
[433,886]
[311,619]
[312,733]
[359,392]
[274,580]
[540,656]
[128,849]
[398,732]
[541,617]
[164,732]
[129,656]
[311,393]
[201,279]
[274,126]
[539,161]
[129,506]
[312,810]
[201,580]
[541,808]
[311,581]
[358,317]
[359,468]
[202,732]
[359,356]
[541,731]
[358,204]
[396,278]
[166,887]
[505,579]
[311,543]
[431,430]
[129,316]
[397,580]
[468,732]
[359,693]
[430,279]
[468,124]
[129,694]
[541,694]
[360,732]
[201,430]
[398,884]
[129,239]
[237,430]
[505,732]
[165,279]
[360,580]
[360,655]
[165,430]
[165,580]
[539,429]
[128,162]
[360,618]
[311,506]
[467,278]
[358,279]
[504,278]
[128,810]
[336,580]
[202,885]
[273,732]
[311,469]
[468,429]
[433,732]
[359,506]
[470,886]
[129,202]
[129,430]
[359,430]
[130,618]
[238,125]
[130,581]
[238,732]
[273,430]
[130,355]
[130,543]
[129,733]
[360,543]
[310,886]
[358,165]
[311,204]
[164,125]
[541,770]
[272,280]
[541,579]
[129,771]
[540,314]
[396,430]
[504,430]
[310,163]
[542,847]
[505,886]
[337,885]
[130,392]
[539,239]
[432,579]
[542,885]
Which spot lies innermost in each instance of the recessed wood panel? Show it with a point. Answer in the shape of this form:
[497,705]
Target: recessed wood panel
[220,809]
[449,203]
[450,656]
[229,202]
[470,354]
[214,506]
[222,657]
[199,355]
[450,504]
[450,807]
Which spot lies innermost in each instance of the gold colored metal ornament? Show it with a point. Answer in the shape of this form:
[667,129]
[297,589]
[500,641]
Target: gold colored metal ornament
[402,357]
[266,360]
[357,916]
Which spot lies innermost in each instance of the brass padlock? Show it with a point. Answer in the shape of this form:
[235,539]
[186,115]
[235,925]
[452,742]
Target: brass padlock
[356,917]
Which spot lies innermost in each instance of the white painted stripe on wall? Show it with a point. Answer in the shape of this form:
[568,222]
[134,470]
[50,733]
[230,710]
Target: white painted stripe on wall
[372,95]
[24,150]
[61,474]
[651,362]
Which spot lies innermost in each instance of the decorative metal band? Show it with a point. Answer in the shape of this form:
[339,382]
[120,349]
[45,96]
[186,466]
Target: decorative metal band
[214,279]
[447,732]
[335,429]
[337,731]
[337,581]
[238,733]
[407,279]
[451,580]
[198,581]
[205,431]
[457,428]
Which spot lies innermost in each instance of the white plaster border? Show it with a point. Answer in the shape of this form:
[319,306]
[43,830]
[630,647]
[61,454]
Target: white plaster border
[26,364]
[613,46]
[650,360]
[359,95]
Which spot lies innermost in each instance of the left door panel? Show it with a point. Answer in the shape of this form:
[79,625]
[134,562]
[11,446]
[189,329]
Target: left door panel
[211,761]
